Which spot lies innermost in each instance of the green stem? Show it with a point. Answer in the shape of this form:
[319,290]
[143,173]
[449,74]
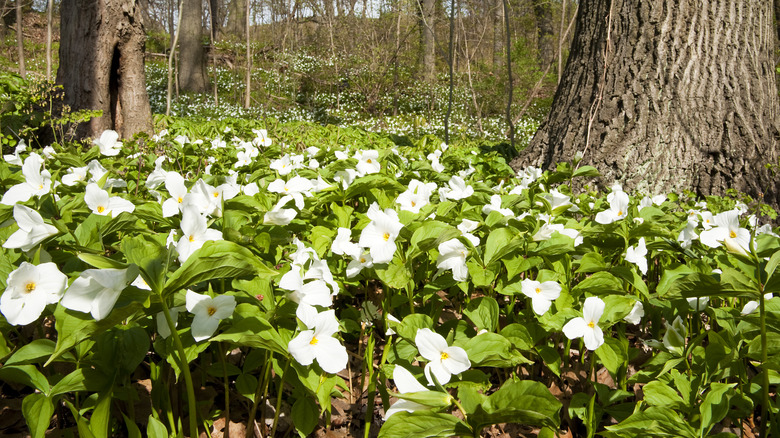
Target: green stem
[765,376]
[185,368]
[279,394]
[371,384]
[262,385]
[226,389]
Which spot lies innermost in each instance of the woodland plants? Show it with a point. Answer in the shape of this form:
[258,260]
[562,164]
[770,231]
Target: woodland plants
[307,276]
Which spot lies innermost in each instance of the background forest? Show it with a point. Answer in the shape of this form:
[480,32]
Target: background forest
[381,65]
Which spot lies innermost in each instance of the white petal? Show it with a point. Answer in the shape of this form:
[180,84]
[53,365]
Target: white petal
[575,328]
[301,348]
[593,309]
[457,360]
[405,381]
[430,344]
[330,354]
[437,369]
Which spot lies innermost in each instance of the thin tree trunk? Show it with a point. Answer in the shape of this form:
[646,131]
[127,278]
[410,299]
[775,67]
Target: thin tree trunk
[248,95]
[667,96]
[213,40]
[452,78]
[49,7]
[170,63]
[561,38]
[509,79]
[544,32]
[498,25]
[192,59]
[20,39]
[427,23]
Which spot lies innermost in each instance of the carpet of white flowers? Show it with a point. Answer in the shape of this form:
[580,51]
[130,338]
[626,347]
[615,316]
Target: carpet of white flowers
[296,267]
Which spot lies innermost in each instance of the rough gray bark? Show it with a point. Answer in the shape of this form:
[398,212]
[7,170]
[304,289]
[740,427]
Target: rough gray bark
[192,57]
[545,41]
[427,23]
[102,64]
[668,95]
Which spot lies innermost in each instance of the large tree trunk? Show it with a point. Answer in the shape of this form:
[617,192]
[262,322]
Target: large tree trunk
[428,39]
[102,64]
[192,57]
[498,35]
[545,42]
[685,100]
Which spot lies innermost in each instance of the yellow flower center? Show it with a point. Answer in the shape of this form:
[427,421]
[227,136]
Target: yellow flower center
[101,209]
[314,341]
[444,356]
[386,236]
[192,238]
[286,189]
[538,290]
[362,260]
[732,234]
[29,287]
[368,161]
[620,212]
[216,194]
[212,310]
[179,200]
[413,203]
[591,324]
[40,187]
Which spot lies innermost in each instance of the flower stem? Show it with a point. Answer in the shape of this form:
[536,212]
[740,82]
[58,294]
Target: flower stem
[765,385]
[185,368]
[371,384]
[262,385]
[279,393]
[226,389]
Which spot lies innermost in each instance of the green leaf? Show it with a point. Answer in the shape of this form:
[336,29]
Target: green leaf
[26,375]
[586,172]
[430,234]
[101,416]
[101,262]
[656,421]
[715,405]
[433,399]
[305,415]
[33,352]
[658,393]
[155,428]
[132,429]
[77,381]
[407,329]
[613,355]
[396,275]
[494,350]
[500,242]
[483,312]
[253,332]
[423,424]
[550,357]
[616,307]
[599,284]
[246,385]
[37,409]
[520,401]
[217,259]
[151,257]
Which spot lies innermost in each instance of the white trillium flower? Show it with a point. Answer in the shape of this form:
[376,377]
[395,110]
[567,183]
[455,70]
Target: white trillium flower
[208,313]
[296,187]
[30,288]
[674,338]
[96,291]
[728,232]
[195,232]
[636,313]
[444,361]
[416,196]
[99,201]
[32,230]
[751,306]
[279,215]
[406,383]
[361,259]
[261,138]
[74,175]
[698,304]
[342,244]
[495,205]
[618,208]
[37,182]
[318,342]
[380,234]
[108,143]
[456,189]
[542,294]
[638,255]
[586,326]
[162,325]
[174,183]
[688,234]
[452,256]
[368,162]
[14,158]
